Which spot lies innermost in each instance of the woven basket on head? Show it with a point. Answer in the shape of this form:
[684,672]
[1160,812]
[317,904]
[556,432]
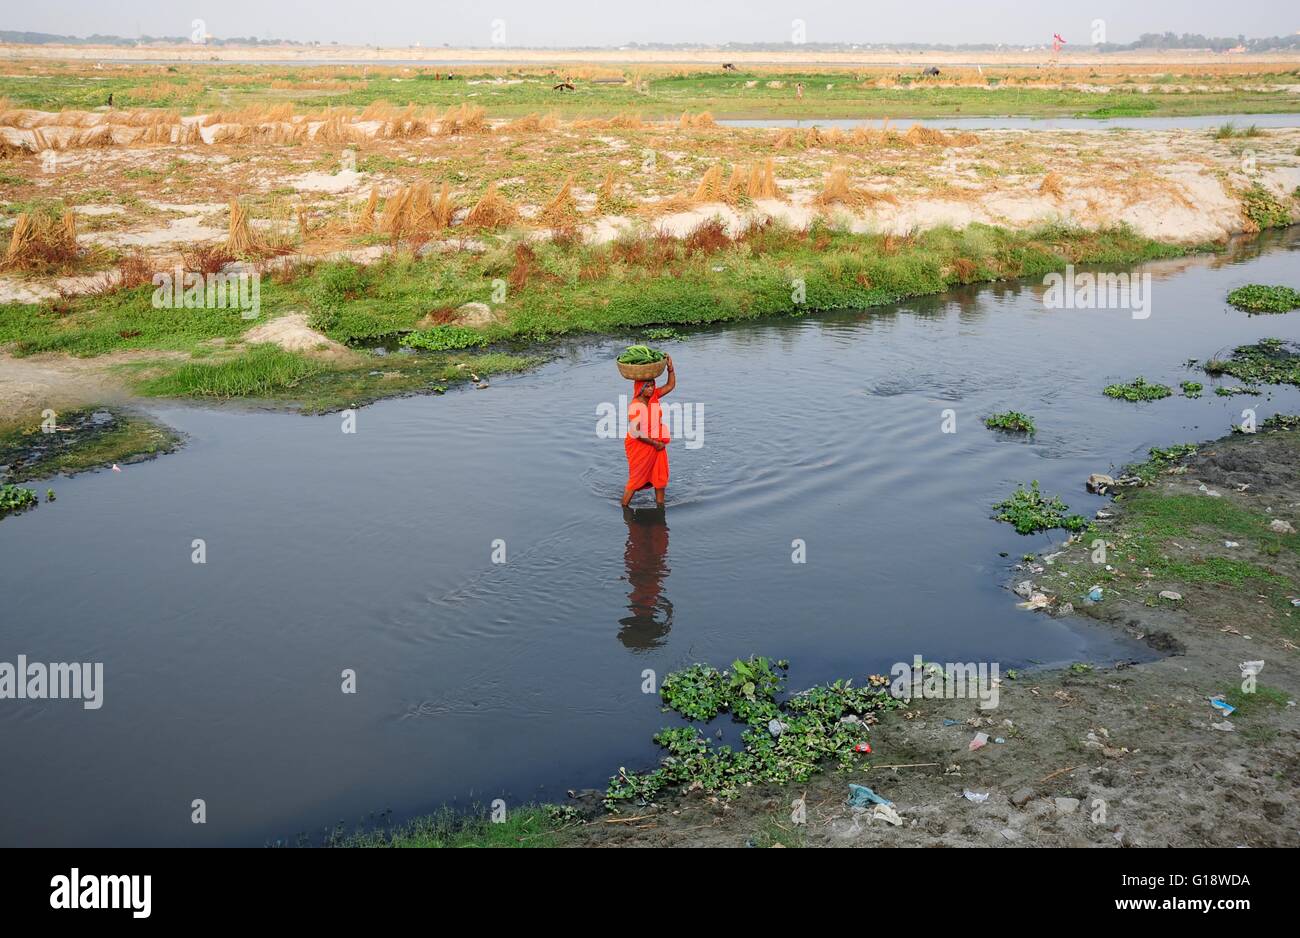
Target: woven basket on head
[642,372]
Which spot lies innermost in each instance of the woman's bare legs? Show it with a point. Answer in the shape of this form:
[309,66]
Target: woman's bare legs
[629,492]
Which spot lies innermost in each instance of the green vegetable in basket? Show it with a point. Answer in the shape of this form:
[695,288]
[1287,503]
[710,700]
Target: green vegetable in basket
[640,355]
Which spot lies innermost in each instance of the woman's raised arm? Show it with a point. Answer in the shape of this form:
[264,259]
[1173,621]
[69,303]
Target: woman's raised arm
[672,378]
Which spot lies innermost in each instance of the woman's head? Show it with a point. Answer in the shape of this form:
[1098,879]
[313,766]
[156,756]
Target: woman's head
[644,390]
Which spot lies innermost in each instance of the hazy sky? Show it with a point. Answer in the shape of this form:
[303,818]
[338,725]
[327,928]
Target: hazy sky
[612,22]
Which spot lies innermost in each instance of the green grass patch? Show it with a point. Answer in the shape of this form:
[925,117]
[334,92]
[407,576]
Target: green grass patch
[530,826]
[1230,131]
[1142,548]
[772,833]
[1174,516]
[118,321]
[554,289]
[827,94]
[1160,459]
[258,372]
[1251,704]
[332,389]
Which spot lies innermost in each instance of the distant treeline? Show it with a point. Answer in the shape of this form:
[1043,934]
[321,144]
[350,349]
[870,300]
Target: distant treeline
[1145,41]
[1197,41]
[37,39]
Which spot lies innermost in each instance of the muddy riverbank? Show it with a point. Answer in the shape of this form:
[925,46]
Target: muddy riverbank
[1108,753]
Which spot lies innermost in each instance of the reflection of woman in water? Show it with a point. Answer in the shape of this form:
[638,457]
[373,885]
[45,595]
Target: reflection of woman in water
[646,560]
[646,443]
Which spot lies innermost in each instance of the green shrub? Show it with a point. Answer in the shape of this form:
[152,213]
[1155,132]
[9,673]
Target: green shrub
[1263,208]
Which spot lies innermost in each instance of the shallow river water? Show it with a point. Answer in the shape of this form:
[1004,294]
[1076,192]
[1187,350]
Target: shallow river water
[373,551]
[1187,122]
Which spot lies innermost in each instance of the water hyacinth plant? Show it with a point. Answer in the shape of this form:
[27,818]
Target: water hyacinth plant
[1160,459]
[1268,361]
[1258,298]
[784,742]
[1138,390]
[443,338]
[1012,422]
[1029,511]
[15,498]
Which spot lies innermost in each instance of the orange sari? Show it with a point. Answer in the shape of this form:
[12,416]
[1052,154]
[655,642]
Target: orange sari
[647,467]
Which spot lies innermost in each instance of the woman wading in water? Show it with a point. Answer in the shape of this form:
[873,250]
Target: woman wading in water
[646,443]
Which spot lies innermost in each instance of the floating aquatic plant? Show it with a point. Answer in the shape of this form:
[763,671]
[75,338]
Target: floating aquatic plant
[1029,511]
[444,338]
[1012,421]
[1138,390]
[15,498]
[785,742]
[1268,361]
[1258,298]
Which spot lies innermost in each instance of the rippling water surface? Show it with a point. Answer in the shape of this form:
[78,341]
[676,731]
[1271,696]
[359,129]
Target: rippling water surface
[476,680]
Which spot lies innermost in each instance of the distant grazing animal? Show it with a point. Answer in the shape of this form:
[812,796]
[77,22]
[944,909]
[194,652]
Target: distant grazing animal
[728,67]
[931,72]
[564,86]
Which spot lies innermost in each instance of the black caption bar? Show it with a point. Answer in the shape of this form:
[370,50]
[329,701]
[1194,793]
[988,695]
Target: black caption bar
[138,888]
